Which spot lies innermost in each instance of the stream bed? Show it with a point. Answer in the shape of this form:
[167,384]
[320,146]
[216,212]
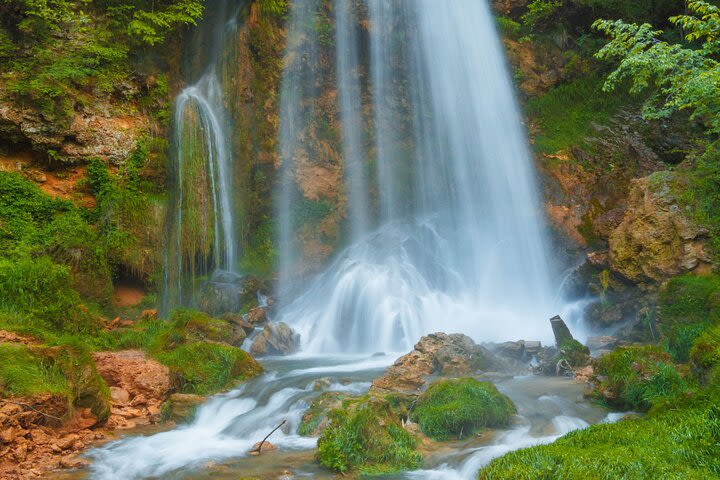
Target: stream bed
[216,443]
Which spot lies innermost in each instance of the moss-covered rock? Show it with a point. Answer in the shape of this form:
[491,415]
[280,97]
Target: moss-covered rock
[460,408]
[367,437]
[575,353]
[181,407]
[637,378]
[315,419]
[705,356]
[204,367]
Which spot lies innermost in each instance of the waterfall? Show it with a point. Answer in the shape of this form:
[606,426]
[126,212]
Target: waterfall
[446,231]
[201,237]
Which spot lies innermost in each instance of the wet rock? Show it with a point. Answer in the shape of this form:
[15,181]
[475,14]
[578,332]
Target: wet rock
[182,406]
[227,292]
[262,447]
[657,238]
[315,419]
[256,315]
[438,353]
[560,331]
[275,339]
[605,343]
[514,350]
[119,395]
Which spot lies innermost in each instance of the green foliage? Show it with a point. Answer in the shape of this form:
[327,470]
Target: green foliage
[460,408]
[568,113]
[365,436]
[261,254]
[638,377]
[705,356]
[152,26]
[688,305]
[275,8]
[540,12]
[41,289]
[680,443]
[312,211]
[677,76]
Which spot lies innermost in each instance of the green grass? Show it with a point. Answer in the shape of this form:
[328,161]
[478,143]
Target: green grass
[24,373]
[688,305]
[567,114]
[675,444]
[460,408]
[365,436]
[639,377]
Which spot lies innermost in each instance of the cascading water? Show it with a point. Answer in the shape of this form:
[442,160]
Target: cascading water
[201,235]
[459,245]
[444,231]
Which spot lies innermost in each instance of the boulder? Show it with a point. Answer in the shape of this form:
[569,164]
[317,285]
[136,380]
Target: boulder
[604,343]
[181,406]
[227,292]
[657,238]
[275,339]
[438,353]
[560,331]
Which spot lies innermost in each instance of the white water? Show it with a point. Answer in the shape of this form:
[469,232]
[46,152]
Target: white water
[460,244]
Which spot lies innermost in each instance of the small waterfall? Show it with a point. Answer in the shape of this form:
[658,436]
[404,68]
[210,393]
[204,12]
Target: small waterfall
[446,230]
[201,237]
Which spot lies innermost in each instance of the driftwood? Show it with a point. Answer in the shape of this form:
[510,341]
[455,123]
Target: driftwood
[256,451]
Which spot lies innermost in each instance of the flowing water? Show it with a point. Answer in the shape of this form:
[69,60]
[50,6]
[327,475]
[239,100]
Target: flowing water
[444,233]
[456,241]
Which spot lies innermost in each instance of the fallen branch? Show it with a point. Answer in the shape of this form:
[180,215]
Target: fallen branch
[259,445]
[27,405]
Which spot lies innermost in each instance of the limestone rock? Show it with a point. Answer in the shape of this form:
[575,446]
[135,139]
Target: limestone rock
[275,339]
[182,406]
[657,239]
[438,353]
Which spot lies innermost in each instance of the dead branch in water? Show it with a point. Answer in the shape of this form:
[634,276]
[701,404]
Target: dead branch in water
[259,447]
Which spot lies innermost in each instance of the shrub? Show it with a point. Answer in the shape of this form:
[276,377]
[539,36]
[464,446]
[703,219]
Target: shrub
[705,356]
[367,437]
[41,289]
[638,377]
[459,408]
[688,305]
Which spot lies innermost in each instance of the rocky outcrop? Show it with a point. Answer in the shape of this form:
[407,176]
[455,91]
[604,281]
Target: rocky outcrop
[657,238]
[440,354]
[275,339]
[138,387]
[181,406]
[93,132]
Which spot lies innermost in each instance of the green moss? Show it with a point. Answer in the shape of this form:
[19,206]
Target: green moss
[366,436]
[688,305]
[638,378]
[567,114]
[203,368]
[575,353]
[315,419]
[679,443]
[460,408]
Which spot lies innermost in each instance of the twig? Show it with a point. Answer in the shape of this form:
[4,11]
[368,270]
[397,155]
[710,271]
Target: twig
[259,447]
[21,404]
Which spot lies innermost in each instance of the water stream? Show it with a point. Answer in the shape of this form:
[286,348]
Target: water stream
[444,233]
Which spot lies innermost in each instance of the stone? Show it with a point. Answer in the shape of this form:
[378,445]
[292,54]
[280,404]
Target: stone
[256,315]
[604,342]
[657,238]
[532,348]
[437,354]
[182,406]
[227,292]
[275,339]
[262,447]
[134,372]
[119,395]
[560,331]
[149,314]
